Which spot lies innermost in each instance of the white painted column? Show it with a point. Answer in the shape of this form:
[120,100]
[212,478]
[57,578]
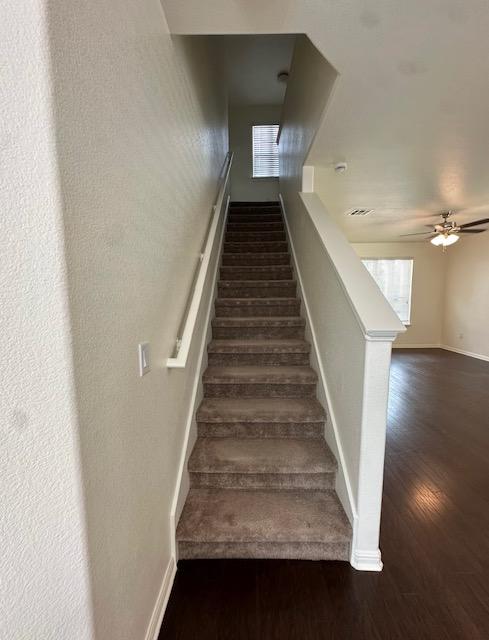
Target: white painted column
[366,554]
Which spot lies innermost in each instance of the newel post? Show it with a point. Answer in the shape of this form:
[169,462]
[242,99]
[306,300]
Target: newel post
[365,549]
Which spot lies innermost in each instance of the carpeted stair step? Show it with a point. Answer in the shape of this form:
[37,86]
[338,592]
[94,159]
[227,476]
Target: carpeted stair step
[261,418]
[259,382]
[258,352]
[255,209]
[255,247]
[255,236]
[256,307]
[259,523]
[269,272]
[255,259]
[256,288]
[252,218]
[235,227]
[255,463]
[273,327]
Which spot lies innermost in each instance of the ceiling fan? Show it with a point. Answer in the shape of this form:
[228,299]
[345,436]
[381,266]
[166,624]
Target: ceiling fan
[447,232]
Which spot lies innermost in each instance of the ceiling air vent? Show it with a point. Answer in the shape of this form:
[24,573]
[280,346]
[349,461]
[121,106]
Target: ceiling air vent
[358,212]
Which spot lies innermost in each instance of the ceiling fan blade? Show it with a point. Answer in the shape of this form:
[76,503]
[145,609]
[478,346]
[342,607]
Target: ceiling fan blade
[471,230]
[422,233]
[475,223]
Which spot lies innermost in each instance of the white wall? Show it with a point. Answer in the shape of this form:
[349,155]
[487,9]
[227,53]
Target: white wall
[142,135]
[126,168]
[44,589]
[428,290]
[243,186]
[467,296]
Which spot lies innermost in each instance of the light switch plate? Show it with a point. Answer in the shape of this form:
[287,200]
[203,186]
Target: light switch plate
[143,356]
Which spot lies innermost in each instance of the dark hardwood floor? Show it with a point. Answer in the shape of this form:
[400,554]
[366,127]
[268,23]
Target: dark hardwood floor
[434,539]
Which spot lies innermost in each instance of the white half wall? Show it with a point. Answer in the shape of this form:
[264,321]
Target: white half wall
[243,186]
[428,291]
[467,296]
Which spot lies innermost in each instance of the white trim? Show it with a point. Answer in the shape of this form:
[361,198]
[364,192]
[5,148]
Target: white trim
[308,178]
[343,488]
[462,352]
[180,361]
[416,346]
[156,619]
[181,487]
[366,560]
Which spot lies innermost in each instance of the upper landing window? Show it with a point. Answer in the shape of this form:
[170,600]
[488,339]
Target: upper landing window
[265,151]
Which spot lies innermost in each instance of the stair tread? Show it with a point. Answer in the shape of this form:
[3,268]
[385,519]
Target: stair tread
[259,321]
[260,374]
[236,224]
[248,302]
[257,283]
[240,515]
[279,410]
[255,254]
[261,455]
[258,268]
[259,346]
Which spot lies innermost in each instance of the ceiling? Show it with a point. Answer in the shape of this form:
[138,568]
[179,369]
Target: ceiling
[251,67]
[409,112]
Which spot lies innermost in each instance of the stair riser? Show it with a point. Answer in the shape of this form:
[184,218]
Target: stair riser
[255,247]
[265,359]
[255,219]
[255,310]
[290,550]
[254,211]
[255,259]
[313,481]
[260,236]
[286,290]
[235,333]
[250,390]
[255,227]
[314,430]
[232,273]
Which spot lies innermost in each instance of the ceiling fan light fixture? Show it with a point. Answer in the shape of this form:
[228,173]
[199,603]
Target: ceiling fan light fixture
[450,239]
[438,240]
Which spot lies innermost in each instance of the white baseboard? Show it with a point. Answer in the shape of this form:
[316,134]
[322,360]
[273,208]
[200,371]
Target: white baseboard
[343,484]
[161,601]
[366,560]
[182,483]
[462,352]
[416,346]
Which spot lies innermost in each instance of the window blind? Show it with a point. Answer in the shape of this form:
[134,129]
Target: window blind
[394,278]
[265,151]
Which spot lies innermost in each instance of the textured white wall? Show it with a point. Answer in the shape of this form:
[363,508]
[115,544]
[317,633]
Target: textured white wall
[467,296]
[142,135]
[243,185]
[119,152]
[428,290]
[44,590]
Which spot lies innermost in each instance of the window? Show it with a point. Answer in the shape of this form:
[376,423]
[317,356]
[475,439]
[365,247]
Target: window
[265,151]
[394,277]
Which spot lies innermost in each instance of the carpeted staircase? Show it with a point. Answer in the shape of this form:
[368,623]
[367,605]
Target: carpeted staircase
[262,476]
